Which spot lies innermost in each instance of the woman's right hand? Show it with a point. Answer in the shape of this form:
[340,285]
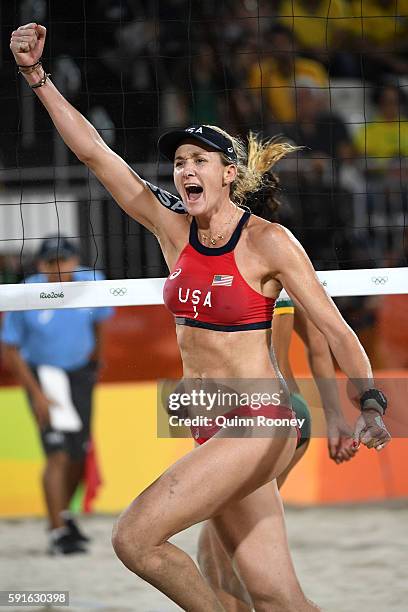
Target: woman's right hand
[27,43]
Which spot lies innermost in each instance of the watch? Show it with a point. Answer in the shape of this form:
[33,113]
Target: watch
[373,399]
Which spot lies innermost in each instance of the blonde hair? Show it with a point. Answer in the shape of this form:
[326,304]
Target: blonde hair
[254,165]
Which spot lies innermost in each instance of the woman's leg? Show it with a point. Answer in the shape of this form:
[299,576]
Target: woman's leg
[195,488]
[252,532]
[216,565]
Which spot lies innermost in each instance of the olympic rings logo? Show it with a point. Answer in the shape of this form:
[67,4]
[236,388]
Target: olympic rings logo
[379,280]
[118,291]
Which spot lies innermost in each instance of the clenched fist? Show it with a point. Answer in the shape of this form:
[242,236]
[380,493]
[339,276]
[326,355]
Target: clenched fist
[27,43]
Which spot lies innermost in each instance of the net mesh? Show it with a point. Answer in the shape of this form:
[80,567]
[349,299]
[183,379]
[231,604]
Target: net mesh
[326,74]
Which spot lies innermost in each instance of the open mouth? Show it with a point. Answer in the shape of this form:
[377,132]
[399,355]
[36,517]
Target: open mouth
[193,192]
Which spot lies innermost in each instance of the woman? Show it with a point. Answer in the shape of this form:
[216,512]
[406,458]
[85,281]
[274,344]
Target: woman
[215,564]
[287,319]
[226,477]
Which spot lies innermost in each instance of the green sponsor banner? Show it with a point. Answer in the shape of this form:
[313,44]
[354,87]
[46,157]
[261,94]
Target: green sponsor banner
[18,433]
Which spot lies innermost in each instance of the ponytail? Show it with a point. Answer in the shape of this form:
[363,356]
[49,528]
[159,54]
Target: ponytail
[256,185]
[260,193]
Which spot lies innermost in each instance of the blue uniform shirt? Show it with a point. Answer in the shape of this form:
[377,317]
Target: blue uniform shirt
[63,338]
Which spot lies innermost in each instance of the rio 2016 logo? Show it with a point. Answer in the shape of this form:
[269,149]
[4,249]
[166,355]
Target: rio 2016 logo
[51,296]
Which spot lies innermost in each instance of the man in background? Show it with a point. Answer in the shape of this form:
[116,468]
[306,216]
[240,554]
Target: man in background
[55,354]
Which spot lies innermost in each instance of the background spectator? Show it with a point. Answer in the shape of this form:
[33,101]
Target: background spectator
[322,132]
[277,72]
[383,140]
[317,24]
[378,36]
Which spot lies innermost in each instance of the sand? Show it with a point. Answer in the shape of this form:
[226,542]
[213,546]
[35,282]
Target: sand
[348,559]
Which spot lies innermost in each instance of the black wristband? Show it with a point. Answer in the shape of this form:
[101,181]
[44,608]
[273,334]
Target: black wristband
[31,65]
[373,399]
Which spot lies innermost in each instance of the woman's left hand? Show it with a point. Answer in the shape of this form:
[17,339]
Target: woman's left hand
[371,431]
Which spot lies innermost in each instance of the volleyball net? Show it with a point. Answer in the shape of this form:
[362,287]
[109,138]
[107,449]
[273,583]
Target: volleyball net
[327,75]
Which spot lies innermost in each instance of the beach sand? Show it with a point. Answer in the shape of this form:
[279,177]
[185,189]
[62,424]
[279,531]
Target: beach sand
[348,559]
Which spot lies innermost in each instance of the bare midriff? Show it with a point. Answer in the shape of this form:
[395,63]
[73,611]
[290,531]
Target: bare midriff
[213,354]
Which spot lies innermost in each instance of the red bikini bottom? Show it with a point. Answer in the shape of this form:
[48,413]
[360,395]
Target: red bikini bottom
[202,433]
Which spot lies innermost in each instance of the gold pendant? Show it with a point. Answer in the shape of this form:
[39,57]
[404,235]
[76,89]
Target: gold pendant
[211,239]
[215,240]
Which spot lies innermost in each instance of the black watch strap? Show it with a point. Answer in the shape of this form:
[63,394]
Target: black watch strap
[373,399]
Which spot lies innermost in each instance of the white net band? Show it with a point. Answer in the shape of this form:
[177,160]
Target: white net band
[142,292]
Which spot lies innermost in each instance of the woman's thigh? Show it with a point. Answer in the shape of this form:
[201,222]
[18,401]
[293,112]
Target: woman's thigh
[203,482]
[252,531]
[215,562]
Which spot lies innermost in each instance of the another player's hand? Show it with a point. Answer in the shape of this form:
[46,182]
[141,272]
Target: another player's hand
[27,43]
[371,431]
[41,405]
[340,441]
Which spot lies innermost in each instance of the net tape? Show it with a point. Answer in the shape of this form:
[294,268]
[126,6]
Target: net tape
[149,291]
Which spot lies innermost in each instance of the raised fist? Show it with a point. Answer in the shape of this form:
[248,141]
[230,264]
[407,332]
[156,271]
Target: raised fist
[27,43]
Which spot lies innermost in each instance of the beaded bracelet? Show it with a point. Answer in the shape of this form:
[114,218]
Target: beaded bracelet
[32,68]
[29,69]
[42,81]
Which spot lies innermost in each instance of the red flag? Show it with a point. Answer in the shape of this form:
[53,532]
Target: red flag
[92,478]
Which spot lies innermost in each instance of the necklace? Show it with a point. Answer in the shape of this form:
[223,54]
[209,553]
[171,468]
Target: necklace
[214,238]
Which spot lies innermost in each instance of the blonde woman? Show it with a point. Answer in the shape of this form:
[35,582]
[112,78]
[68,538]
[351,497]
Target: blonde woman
[223,331]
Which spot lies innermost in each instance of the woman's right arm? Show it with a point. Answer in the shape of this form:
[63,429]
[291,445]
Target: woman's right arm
[125,186]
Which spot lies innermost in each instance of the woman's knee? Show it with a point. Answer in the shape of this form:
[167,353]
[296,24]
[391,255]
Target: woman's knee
[121,538]
[133,540]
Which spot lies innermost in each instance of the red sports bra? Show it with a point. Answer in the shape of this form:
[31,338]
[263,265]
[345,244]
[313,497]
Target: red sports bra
[205,288]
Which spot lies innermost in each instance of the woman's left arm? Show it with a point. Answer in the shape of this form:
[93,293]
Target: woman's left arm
[290,265]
